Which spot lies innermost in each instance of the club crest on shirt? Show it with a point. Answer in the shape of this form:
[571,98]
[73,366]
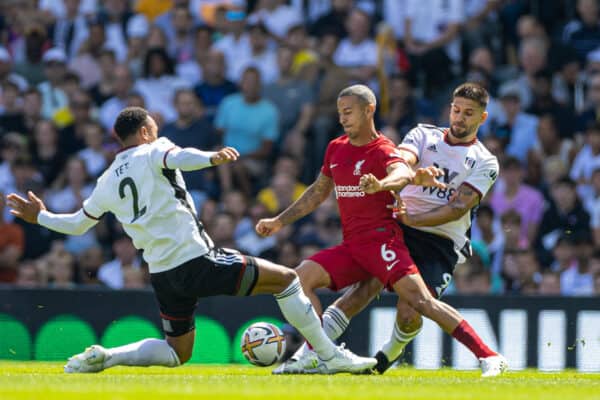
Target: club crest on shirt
[358,166]
[432,148]
[470,162]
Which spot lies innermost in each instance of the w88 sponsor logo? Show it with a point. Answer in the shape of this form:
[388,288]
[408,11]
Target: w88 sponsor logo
[439,193]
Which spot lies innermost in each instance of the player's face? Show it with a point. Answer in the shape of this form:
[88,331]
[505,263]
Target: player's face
[465,117]
[152,130]
[353,115]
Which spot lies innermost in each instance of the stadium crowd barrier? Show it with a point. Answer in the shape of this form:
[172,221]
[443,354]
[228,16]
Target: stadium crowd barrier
[548,333]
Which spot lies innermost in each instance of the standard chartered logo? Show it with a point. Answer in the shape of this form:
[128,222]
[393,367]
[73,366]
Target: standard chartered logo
[348,191]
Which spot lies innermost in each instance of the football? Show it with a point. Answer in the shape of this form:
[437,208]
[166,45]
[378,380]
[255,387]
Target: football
[263,344]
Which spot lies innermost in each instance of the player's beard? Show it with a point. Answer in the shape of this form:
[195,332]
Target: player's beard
[462,133]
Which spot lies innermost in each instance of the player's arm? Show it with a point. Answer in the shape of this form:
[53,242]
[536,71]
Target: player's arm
[34,211]
[400,174]
[310,199]
[465,198]
[191,159]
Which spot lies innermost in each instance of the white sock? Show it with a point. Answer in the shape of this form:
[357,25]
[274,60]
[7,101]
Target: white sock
[143,353]
[335,322]
[397,342]
[299,311]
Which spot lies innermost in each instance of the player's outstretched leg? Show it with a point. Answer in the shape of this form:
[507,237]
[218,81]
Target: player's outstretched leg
[299,311]
[143,353]
[413,290]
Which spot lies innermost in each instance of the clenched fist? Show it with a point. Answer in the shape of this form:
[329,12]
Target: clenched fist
[268,226]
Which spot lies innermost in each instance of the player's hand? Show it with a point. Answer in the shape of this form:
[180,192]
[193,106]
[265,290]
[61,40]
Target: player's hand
[399,211]
[268,226]
[27,210]
[369,184]
[225,155]
[428,177]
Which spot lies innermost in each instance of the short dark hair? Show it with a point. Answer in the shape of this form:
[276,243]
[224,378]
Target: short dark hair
[472,91]
[129,121]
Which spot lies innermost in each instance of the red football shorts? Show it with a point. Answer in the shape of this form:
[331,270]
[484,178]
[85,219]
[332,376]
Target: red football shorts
[380,253]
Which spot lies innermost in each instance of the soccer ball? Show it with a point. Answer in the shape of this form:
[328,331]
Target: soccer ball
[263,344]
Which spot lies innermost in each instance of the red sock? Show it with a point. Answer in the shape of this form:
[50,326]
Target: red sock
[465,334]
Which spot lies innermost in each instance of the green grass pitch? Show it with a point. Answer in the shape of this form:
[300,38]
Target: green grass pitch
[42,381]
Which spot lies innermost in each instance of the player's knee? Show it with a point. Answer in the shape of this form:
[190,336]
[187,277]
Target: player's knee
[422,304]
[407,317]
[184,356]
[287,276]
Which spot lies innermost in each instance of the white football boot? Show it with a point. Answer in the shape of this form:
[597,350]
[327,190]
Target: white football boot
[343,360]
[91,360]
[303,359]
[493,365]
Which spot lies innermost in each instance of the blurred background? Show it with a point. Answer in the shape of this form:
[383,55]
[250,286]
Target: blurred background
[263,76]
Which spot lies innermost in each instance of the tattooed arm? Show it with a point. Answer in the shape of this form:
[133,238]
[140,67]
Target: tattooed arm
[463,200]
[312,197]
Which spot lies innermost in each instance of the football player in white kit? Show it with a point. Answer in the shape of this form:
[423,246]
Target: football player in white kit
[434,222]
[144,189]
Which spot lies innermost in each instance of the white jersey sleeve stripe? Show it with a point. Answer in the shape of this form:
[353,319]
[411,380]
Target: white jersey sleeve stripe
[165,156]
[87,214]
[474,188]
[409,150]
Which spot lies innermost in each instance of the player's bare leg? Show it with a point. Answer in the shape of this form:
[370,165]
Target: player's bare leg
[298,310]
[414,292]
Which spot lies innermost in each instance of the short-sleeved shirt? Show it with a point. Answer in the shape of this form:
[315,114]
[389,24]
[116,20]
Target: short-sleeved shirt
[470,164]
[152,203]
[246,125]
[345,164]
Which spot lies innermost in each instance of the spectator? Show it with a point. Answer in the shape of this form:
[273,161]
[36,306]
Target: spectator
[12,245]
[518,130]
[512,194]
[46,151]
[578,280]
[181,44]
[357,53]
[6,71]
[334,22]
[11,111]
[13,147]
[159,84]
[222,230]
[276,16]
[94,155]
[549,284]
[86,63]
[294,100]
[405,109]
[104,89]
[191,129]
[70,29]
[88,263]
[80,114]
[235,43]
[259,55]
[126,256]
[565,212]
[191,69]
[431,39]
[122,86]
[235,204]
[543,102]
[31,275]
[53,98]
[250,124]
[30,65]
[73,188]
[564,254]
[584,35]
[586,160]
[214,87]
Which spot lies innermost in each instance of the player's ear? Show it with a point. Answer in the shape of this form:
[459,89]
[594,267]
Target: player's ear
[370,110]
[484,116]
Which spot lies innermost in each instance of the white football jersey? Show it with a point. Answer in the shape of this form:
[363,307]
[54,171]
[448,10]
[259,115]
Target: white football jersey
[152,203]
[471,164]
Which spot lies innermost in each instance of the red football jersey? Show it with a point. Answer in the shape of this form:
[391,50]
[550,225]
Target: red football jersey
[345,164]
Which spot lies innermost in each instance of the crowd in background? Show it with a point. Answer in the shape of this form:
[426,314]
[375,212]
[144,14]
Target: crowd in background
[263,76]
